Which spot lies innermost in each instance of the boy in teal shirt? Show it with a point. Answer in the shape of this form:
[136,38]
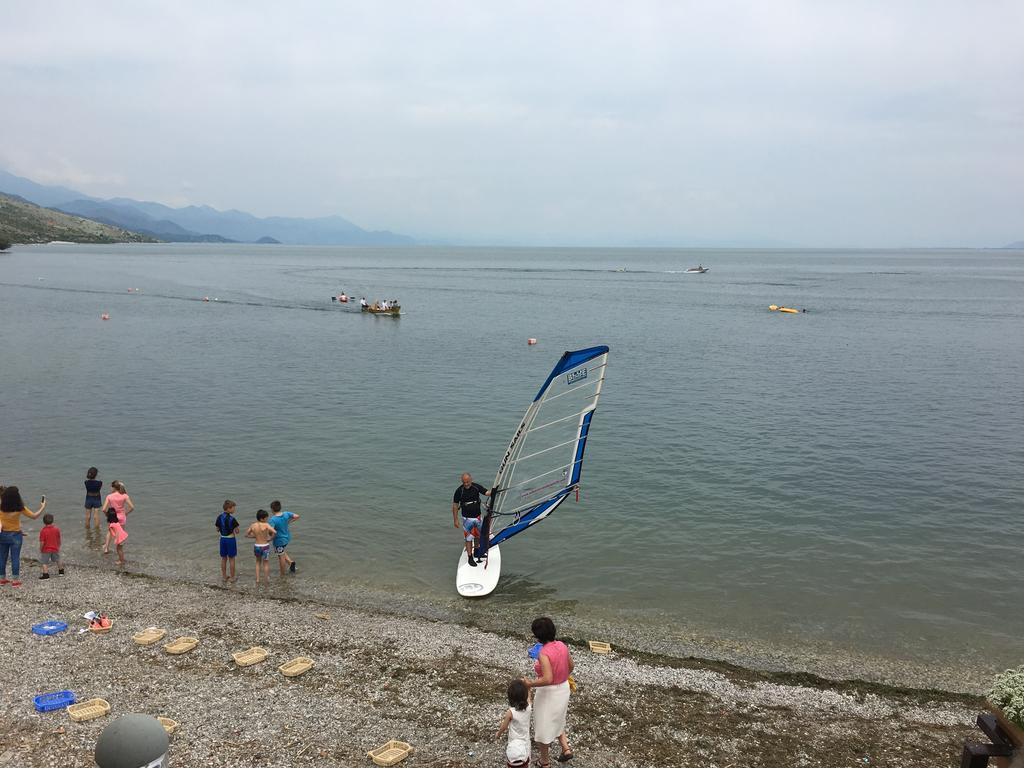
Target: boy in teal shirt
[279,520]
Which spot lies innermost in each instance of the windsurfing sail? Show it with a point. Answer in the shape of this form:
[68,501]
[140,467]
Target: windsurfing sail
[543,462]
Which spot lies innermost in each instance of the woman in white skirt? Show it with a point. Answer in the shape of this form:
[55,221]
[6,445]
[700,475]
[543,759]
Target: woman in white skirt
[551,689]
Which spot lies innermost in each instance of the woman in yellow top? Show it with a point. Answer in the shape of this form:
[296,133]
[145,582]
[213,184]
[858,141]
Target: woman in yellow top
[11,510]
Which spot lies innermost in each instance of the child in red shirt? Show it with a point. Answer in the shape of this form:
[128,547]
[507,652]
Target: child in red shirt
[49,547]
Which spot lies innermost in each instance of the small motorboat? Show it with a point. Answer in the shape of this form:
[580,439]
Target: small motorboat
[700,269]
[393,311]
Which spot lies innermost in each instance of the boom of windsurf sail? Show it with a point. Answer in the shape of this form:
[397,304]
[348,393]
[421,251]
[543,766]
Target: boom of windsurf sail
[543,462]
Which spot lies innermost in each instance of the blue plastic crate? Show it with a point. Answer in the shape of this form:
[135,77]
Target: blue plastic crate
[49,627]
[534,652]
[48,702]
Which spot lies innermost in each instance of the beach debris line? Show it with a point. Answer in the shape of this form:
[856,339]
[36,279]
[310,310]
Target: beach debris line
[181,645]
[250,656]
[89,710]
[599,647]
[300,665]
[391,753]
[50,702]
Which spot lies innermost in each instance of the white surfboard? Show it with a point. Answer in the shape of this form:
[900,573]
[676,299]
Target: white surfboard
[481,580]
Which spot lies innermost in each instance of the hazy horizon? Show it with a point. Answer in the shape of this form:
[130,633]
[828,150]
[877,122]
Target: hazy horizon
[792,124]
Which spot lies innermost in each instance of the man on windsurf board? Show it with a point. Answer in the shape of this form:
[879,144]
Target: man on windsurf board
[467,501]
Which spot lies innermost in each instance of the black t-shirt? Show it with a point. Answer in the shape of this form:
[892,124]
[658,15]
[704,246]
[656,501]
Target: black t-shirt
[92,487]
[469,499]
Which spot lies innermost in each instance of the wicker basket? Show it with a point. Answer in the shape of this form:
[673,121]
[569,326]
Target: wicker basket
[391,753]
[252,656]
[598,647]
[181,645]
[149,636]
[88,710]
[297,666]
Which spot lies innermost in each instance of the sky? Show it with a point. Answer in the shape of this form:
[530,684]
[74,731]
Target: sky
[833,124]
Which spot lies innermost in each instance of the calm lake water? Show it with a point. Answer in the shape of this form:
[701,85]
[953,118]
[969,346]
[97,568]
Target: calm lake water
[846,477]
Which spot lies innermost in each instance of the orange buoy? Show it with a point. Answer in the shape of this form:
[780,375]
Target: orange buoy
[531,342]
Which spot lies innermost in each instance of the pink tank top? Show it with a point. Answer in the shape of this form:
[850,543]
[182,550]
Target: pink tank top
[558,654]
[116,500]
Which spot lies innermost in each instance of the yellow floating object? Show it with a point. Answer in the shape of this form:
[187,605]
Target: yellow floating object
[88,710]
[773,307]
[789,310]
[598,647]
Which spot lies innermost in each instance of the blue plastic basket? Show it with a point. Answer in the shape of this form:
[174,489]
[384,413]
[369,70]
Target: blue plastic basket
[49,627]
[48,702]
[534,651]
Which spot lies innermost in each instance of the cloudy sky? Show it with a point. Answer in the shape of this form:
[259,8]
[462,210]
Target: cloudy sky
[807,123]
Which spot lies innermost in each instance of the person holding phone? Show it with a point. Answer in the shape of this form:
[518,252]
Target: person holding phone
[12,509]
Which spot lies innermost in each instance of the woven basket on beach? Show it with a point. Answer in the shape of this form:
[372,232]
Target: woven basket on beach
[391,753]
[181,645]
[297,666]
[598,647]
[88,710]
[149,636]
[252,656]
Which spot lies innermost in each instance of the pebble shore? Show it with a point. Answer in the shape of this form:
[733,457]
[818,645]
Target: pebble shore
[437,685]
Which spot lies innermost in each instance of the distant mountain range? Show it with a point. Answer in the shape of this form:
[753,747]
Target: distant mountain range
[25,222]
[197,223]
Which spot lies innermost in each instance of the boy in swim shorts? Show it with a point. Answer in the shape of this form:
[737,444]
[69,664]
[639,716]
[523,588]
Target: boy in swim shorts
[227,524]
[263,533]
[282,536]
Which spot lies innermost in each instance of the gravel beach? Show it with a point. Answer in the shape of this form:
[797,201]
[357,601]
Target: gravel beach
[437,685]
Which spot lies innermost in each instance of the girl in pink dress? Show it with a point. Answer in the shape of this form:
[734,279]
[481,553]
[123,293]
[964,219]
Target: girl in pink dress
[116,532]
[120,503]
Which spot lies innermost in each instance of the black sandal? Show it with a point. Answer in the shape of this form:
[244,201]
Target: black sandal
[565,757]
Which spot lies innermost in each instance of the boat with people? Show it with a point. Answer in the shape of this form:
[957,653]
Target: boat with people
[388,307]
[391,309]
[541,467]
[700,269]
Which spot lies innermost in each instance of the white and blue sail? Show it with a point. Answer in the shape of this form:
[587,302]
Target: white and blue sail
[544,460]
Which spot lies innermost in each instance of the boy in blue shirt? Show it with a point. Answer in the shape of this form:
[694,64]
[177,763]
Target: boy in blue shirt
[279,520]
[228,526]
